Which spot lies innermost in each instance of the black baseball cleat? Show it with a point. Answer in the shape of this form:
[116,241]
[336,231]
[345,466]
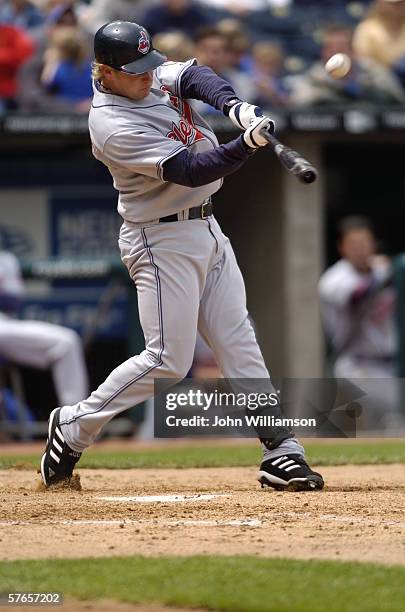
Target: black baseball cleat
[289,473]
[59,459]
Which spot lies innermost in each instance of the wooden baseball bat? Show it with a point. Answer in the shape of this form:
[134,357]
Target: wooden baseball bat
[293,161]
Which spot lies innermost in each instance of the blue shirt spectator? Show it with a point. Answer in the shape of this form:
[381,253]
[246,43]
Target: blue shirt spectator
[67,66]
[22,14]
[71,81]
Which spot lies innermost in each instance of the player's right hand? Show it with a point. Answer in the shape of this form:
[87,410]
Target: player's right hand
[253,136]
[243,114]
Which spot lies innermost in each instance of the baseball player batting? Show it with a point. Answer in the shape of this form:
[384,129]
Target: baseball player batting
[166,163]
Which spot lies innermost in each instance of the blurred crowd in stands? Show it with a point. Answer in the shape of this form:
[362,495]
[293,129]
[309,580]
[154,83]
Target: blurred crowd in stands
[272,51]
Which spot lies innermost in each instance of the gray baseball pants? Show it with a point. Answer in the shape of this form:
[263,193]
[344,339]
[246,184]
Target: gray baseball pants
[187,277]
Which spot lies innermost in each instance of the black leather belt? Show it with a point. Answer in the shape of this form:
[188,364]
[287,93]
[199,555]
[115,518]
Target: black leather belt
[197,212]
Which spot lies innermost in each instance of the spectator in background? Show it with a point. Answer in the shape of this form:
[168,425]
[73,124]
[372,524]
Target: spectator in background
[175,45]
[237,46]
[267,70]
[33,94]
[67,68]
[78,6]
[367,81]
[15,49]
[100,12]
[63,14]
[358,310]
[21,13]
[37,344]
[211,49]
[174,15]
[237,42]
[244,7]
[358,303]
[381,36]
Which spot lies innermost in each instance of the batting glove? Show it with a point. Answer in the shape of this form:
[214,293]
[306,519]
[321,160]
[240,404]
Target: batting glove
[243,114]
[253,136]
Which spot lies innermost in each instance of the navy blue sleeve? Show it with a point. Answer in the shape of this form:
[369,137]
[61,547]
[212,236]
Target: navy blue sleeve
[9,302]
[196,169]
[202,83]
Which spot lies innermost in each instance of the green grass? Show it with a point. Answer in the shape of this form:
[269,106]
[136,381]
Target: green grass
[245,584]
[333,453]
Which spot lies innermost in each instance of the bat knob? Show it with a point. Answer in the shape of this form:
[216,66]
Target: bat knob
[308,176]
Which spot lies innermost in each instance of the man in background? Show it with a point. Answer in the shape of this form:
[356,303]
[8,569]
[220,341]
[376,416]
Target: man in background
[174,16]
[38,344]
[212,50]
[357,303]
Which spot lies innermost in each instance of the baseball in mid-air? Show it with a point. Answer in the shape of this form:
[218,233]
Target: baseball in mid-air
[338,66]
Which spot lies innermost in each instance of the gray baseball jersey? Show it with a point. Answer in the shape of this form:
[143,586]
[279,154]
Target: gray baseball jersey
[134,139]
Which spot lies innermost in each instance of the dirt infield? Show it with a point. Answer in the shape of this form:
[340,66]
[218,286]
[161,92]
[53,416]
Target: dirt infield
[359,516]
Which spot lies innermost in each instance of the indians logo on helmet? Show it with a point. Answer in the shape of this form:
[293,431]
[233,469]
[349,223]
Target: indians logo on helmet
[144,44]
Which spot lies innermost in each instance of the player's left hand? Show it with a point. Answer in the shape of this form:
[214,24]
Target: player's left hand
[243,114]
[254,137]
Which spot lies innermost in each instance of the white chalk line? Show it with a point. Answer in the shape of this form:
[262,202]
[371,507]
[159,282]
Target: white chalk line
[175,523]
[149,499]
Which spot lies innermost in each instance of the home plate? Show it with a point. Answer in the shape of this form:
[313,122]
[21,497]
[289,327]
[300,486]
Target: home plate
[149,499]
